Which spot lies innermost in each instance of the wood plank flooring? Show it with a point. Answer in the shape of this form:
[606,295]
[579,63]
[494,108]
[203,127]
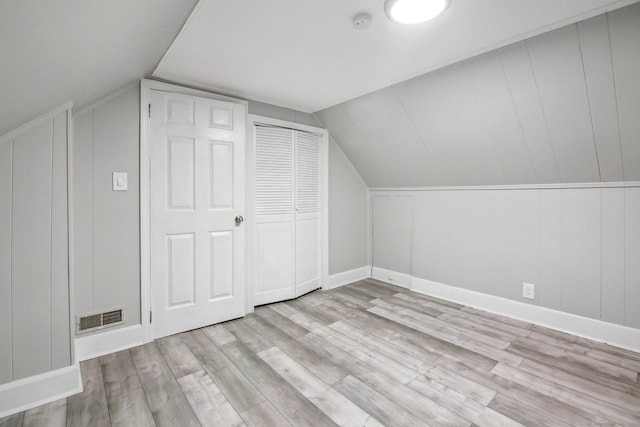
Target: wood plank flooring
[366,354]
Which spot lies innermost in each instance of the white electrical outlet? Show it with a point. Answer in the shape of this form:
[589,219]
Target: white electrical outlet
[528,290]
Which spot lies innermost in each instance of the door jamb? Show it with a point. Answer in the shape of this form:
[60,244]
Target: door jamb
[146,85]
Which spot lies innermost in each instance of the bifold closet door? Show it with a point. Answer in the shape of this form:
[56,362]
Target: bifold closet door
[273,251]
[288,213]
[308,212]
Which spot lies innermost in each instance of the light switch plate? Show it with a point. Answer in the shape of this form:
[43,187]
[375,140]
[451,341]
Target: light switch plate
[120,181]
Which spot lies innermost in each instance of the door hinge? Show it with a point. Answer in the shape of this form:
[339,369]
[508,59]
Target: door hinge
[151,317]
[149,110]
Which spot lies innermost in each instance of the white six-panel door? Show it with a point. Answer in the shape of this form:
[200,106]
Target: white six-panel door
[197,191]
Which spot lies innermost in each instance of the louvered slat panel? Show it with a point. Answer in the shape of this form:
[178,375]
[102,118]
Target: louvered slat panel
[274,171]
[307,172]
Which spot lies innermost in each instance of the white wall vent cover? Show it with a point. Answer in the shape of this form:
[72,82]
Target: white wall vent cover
[95,321]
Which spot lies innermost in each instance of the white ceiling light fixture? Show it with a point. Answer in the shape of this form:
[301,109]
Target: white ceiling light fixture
[414,11]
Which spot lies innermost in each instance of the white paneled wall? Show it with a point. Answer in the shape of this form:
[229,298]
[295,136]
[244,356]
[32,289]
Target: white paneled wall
[34,282]
[579,246]
[348,214]
[106,256]
[499,118]
[613,251]
[624,34]
[6,356]
[392,223]
[595,45]
[561,107]
[522,86]
[631,256]
[557,66]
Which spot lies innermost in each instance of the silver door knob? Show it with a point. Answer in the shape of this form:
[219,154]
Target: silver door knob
[239,220]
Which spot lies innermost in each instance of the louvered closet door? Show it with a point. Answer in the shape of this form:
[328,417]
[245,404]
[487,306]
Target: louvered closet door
[274,250]
[308,212]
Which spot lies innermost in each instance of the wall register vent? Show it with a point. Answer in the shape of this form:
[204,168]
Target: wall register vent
[96,321]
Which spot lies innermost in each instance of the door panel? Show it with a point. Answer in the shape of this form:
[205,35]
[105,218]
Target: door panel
[197,190]
[274,260]
[181,173]
[308,209]
[221,118]
[274,269]
[307,254]
[221,251]
[180,269]
[221,167]
[180,110]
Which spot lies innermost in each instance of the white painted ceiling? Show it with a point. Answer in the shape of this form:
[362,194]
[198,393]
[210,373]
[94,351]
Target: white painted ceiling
[53,51]
[306,55]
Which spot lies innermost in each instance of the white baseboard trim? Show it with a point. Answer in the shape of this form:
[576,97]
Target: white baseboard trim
[346,277]
[27,393]
[597,330]
[392,277]
[101,343]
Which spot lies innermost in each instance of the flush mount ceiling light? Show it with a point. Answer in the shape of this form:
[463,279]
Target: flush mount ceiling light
[414,11]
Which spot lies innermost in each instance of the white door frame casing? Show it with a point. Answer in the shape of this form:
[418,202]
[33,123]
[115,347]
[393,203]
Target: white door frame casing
[146,86]
[251,201]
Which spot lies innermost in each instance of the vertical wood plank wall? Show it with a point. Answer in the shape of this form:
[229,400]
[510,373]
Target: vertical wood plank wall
[580,247]
[34,282]
[6,358]
[561,107]
[392,229]
[106,250]
[348,213]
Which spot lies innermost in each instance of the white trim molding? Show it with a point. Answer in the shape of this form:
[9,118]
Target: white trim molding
[568,185]
[27,393]
[597,330]
[392,277]
[350,276]
[20,129]
[101,343]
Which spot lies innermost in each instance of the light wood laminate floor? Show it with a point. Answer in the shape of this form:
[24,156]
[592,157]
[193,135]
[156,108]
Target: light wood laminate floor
[363,354]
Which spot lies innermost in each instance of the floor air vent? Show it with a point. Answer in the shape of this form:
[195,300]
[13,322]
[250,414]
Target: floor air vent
[95,321]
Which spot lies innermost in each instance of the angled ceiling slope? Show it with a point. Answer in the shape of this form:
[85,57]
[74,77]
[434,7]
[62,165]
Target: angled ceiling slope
[80,50]
[561,107]
[306,54]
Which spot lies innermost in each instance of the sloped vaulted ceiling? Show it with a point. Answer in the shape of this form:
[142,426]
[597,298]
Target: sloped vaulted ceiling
[561,107]
[307,55]
[53,51]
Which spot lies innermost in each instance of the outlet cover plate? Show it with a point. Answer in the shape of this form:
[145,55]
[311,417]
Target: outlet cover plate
[528,290]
